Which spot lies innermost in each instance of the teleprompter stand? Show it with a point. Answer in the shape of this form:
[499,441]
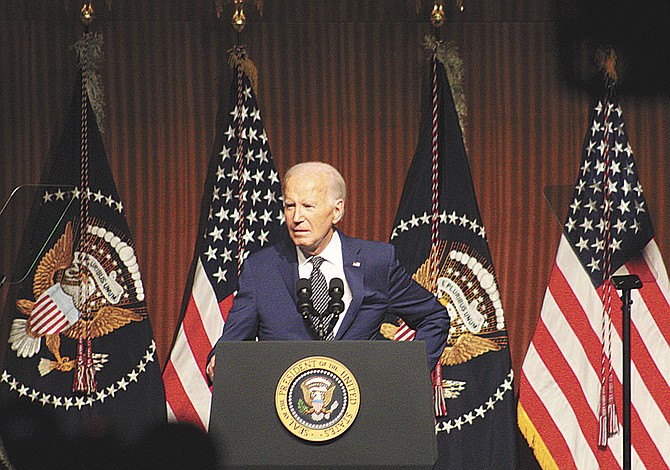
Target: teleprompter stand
[394,427]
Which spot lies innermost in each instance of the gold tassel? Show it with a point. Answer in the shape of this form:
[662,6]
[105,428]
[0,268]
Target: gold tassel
[84,379]
[606,60]
[89,56]
[238,58]
[448,55]
[534,440]
[439,405]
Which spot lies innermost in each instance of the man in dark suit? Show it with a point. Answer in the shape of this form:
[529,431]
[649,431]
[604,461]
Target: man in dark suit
[374,282]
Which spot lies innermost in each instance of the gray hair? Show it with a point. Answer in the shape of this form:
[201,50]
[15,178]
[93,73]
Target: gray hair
[337,188]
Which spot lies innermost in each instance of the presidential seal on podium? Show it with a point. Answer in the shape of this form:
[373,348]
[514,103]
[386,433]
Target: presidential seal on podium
[317,398]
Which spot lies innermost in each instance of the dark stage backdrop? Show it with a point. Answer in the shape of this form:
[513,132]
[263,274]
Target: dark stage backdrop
[340,81]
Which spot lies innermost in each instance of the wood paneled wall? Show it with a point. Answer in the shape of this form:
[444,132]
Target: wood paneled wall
[340,81]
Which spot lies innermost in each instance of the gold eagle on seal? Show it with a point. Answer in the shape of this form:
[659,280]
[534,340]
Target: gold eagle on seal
[318,394]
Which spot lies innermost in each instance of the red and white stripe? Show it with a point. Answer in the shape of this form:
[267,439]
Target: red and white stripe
[404,333]
[188,394]
[47,318]
[560,379]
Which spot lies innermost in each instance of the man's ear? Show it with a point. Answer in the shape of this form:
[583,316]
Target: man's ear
[338,211]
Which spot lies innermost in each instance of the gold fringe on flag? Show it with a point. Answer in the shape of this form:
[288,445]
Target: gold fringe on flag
[89,56]
[448,55]
[544,458]
[238,58]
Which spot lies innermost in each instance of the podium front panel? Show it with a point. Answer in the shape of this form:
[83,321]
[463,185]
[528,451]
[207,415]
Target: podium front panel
[394,426]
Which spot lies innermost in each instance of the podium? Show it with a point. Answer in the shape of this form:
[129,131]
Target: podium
[377,394]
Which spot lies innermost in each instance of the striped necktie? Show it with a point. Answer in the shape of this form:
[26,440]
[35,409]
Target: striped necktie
[320,299]
[319,286]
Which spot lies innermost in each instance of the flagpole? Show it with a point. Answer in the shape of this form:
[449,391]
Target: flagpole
[625,284]
[437,17]
[239,19]
[87,14]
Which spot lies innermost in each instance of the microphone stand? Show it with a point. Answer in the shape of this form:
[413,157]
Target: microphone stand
[626,284]
[320,329]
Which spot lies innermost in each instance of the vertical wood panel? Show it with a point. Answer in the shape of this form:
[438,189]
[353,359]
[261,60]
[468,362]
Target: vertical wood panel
[163,129]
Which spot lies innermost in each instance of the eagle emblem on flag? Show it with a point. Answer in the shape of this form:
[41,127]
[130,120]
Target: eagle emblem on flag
[77,295]
[468,290]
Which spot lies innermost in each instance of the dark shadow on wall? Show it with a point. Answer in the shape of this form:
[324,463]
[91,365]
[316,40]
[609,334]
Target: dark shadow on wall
[639,32]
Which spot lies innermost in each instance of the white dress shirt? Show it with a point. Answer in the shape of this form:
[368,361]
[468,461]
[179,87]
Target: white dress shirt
[332,267]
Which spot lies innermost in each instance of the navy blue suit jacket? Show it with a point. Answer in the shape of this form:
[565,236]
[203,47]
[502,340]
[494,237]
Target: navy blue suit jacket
[265,305]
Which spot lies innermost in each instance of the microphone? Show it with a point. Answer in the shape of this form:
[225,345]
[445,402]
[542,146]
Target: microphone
[304,291]
[336,291]
[335,304]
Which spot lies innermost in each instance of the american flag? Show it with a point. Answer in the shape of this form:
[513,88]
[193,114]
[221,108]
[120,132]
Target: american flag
[572,373]
[244,213]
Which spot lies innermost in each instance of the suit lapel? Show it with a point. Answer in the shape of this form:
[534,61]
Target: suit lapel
[287,265]
[353,270]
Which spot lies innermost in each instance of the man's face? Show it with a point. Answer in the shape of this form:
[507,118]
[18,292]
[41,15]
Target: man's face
[310,213]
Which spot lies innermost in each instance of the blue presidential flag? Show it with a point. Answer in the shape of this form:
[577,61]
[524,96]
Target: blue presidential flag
[440,237]
[81,352]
